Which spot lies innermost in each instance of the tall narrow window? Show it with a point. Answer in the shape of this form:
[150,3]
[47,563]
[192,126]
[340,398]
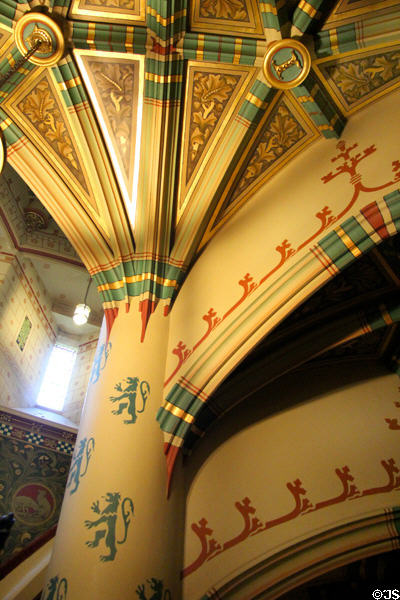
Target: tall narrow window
[56,378]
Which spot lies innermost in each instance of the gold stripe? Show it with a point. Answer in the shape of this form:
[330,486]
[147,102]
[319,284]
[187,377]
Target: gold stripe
[268,8]
[129,38]
[237,51]
[348,242]
[152,277]
[70,83]
[162,78]
[256,101]
[91,34]
[334,119]
[307,8]
[333,38]
[325,128]
[200,47]
[178,412]
[305,98]
[164,22]
[117,285]
[385,315]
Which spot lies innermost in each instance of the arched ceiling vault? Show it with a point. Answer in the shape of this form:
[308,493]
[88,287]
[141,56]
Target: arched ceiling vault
[158,123]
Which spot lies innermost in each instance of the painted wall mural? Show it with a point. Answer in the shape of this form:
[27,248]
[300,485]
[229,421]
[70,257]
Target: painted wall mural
[109,516]
[56,589]
[34,464]
[130,391]
[253,525]
[347,160]
[80,463]
[156,589]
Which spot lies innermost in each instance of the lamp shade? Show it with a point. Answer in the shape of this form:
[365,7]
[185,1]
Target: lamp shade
[81,314]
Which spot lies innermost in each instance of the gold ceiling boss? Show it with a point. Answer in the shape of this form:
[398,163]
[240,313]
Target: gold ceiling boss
[286,64]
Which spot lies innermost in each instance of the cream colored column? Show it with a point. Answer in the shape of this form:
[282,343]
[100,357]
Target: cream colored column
[119,536]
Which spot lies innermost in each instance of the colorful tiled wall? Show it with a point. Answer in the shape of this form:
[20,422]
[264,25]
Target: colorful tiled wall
[22,364]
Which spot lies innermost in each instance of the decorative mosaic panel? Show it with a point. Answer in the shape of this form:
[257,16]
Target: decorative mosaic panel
[232,17]
[34,465]
[356,81]
[24,333]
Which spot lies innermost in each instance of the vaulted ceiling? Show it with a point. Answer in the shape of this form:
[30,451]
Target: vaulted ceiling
[159,122]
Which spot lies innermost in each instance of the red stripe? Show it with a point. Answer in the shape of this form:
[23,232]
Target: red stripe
[374,217]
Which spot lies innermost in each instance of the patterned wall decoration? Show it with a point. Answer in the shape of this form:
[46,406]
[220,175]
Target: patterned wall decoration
[129,392]
[34,464]
[155,588]
[282,134]
[24,333]
[110,10]
[56,589]
[355,81]
[211,94]
[253,524]
[108,518]
[232,17]
[38,110]
[113,86]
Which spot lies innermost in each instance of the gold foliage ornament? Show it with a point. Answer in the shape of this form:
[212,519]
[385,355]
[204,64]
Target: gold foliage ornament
[224,9]
[37,29]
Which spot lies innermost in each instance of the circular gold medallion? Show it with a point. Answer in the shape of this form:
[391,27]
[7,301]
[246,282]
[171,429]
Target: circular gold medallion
[286,64]
[35,28]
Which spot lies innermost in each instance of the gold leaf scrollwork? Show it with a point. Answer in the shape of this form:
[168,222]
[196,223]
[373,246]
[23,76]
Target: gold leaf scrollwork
[281,132]
[224,9]
[40,107]
[115,82]
[358,78]
[211,93]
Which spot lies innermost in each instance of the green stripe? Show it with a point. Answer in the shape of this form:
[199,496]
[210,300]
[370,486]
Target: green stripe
[393,203]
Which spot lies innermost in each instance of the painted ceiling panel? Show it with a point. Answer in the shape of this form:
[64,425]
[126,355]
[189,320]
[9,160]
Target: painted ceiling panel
[110,10]
[115,85]
[283,133]
[232,17]
[212,93]
[346,11]
[38,111]
[359,78]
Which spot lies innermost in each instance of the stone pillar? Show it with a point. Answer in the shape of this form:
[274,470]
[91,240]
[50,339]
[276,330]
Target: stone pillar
[119,536]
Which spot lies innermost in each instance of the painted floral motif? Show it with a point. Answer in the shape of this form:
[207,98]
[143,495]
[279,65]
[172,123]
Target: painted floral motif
[281,132]
[211,92]
[115,82]
[356,79]
[224,9]
[40,107]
